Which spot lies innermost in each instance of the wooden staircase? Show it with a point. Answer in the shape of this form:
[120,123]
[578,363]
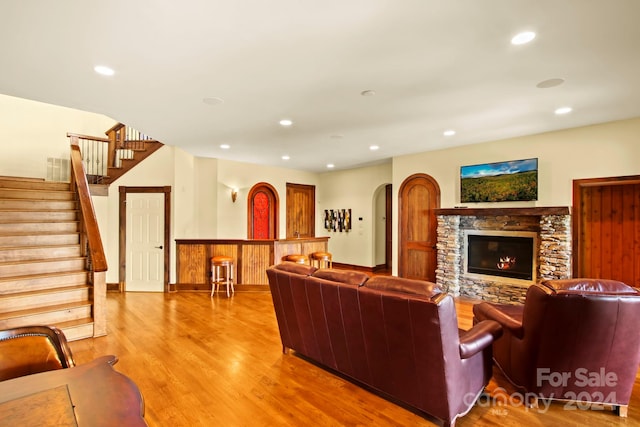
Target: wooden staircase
[107,159]
[43,274]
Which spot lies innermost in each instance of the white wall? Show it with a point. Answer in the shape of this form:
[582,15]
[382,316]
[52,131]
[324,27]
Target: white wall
[202,208]
[206,198]
[353,189]
[232,217]
[610,149]
[31,131]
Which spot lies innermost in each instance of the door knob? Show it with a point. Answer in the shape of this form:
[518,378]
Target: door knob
[158,247]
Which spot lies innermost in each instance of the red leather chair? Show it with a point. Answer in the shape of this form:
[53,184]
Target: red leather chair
[573,339]
[32,349]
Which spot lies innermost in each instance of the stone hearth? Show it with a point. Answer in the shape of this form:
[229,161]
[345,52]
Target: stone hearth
[552,225]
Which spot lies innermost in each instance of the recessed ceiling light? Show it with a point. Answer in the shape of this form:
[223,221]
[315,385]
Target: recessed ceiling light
[549,83]
[563,110]
[225,146]
[373,147]
[523,38]
[103,70]
[286,122]
[285,157]
[330,165]
[449,132]
[214,100]
[368,92]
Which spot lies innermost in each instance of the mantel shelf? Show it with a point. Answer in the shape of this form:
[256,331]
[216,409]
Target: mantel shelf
[535,211]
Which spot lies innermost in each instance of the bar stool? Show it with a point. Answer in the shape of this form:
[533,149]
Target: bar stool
[322,259]
[217,264]
[297,258]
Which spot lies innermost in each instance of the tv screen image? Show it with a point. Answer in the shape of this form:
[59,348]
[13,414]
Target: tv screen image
[511,181]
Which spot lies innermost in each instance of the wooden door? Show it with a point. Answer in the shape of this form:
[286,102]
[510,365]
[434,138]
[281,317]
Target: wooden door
[263,208]
[301,211]
[606,235]
[418,198]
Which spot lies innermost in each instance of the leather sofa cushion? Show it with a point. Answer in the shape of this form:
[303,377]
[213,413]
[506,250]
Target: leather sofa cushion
[589,286]
[293,267]
[348,277]
[406,286]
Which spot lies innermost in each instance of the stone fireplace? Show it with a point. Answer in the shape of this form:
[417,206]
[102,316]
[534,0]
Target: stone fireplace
[547,257]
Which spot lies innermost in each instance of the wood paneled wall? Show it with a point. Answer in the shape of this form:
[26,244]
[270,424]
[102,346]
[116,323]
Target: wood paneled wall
[251,259]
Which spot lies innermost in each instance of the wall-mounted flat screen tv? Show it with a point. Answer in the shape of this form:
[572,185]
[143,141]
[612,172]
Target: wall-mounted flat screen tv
[512,181]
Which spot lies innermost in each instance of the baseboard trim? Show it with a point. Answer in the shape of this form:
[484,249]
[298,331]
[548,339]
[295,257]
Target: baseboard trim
[342,266]
[194,287]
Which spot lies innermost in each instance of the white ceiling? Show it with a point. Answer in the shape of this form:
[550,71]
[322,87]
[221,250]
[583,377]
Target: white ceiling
[434,65]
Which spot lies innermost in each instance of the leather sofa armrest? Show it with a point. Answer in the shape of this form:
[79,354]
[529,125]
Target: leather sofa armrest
[486,311]
[479,337]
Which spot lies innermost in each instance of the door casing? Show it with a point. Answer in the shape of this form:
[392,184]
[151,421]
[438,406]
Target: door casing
[122,238]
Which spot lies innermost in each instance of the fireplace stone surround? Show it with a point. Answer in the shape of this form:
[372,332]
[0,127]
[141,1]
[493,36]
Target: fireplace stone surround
[552,225]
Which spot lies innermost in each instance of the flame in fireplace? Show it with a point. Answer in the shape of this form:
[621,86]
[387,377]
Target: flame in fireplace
[506,262]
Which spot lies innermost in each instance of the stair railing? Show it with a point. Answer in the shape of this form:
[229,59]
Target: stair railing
[90,240]
[123,141]
[94,156]
[100,154]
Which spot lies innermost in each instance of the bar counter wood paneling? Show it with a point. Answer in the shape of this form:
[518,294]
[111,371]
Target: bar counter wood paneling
[251,258]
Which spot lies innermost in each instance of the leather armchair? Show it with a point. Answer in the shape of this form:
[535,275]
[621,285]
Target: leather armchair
[573,339]
[32,349]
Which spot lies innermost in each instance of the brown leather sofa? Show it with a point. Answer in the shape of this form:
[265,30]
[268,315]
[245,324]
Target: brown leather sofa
[574,339]
[397,337]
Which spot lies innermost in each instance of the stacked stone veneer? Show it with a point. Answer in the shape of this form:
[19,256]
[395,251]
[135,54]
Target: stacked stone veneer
[553,254]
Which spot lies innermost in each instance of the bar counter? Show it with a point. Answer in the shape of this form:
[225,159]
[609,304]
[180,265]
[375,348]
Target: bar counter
[251,258]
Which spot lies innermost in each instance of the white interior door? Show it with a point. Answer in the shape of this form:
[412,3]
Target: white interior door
[145,240]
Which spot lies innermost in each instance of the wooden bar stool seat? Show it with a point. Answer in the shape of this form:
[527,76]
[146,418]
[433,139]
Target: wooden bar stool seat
[297,258]
[322,259]
[218,264]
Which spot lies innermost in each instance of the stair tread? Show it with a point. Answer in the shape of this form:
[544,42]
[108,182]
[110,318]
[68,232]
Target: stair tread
[35,261]
[74,323]
[44,309]
[21,248]
[43,275]
[37,190]
[37,221]
[40,233]
[44,291]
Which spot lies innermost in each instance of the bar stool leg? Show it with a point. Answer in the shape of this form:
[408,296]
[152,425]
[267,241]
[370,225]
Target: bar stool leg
[217,277]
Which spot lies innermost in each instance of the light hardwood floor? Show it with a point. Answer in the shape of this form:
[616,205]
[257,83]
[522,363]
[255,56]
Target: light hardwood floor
[202,361]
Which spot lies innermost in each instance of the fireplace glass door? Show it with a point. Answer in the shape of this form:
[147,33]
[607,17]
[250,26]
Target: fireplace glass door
[503,256]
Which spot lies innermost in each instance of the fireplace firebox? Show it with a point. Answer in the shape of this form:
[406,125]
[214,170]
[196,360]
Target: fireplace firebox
[503,254]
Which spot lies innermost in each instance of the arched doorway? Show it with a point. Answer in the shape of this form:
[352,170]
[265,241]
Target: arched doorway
[382,228]
[262,215]
[418,198]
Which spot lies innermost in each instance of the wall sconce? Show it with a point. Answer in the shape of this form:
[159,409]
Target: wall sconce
[234,195]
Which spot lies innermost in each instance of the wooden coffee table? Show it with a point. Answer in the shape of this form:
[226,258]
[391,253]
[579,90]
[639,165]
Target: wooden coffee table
[92,394]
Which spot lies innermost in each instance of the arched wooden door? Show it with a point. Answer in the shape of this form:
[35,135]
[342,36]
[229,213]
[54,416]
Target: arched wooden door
[418,198]
[262,212]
